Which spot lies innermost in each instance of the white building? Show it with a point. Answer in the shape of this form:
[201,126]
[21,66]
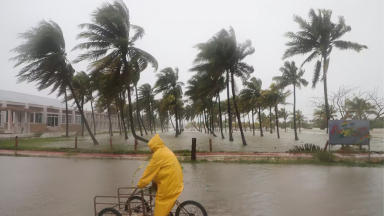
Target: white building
[23,113]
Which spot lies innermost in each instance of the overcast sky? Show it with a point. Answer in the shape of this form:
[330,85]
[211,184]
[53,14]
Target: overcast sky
[174,27]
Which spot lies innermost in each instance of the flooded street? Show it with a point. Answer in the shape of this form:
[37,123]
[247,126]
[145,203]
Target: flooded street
[268,143]
[47,186]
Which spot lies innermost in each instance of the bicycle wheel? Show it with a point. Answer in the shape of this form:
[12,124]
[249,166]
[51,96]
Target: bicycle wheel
[136,206]
[191,208]
[109,212]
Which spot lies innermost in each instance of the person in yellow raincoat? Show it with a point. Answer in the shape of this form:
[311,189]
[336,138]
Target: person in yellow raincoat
[165,170]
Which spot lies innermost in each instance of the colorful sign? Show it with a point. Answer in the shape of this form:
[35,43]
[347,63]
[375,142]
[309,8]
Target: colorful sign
[349,132]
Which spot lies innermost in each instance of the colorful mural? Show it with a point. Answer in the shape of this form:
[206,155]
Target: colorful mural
[349,132]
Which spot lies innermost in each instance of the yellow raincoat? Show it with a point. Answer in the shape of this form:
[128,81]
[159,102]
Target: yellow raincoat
[166,172]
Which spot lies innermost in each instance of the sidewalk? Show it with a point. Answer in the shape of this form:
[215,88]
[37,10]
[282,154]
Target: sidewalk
[214,156]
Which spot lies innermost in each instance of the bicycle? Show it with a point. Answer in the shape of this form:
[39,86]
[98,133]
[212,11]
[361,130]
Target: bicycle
[141,202]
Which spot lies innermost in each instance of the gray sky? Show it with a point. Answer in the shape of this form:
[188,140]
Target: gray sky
[174,27]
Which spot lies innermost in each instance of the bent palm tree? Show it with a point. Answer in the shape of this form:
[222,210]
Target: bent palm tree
[45,56]
[167,83]
[318,37]
[110,44]
[291,76]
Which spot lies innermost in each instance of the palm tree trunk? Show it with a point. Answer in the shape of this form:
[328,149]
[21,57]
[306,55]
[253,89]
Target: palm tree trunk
[180,126]
[161,124]
[294,112]
[229,110]
[212,117]
[82,122]
[142,123]
[122,116]
[249,123]
[261,127]
[277,123]
[245,124]
[221,121]
[172,123]
[325,70]
[154,124]
[66,114]
[109,117]
[237,110]
[118,118]
[270,119]
[149,116]
[131,117]
[82,114]
[177,126]
[253,123]
[138,111]
[93,116]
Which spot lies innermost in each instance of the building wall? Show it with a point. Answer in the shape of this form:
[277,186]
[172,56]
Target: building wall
[73,128]
[39,128]
[25,126]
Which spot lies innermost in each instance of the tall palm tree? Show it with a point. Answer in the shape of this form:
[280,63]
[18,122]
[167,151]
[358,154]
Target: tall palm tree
[283,114]
[221,54]
[147,98]
[45,56]
[135,80]
[318,37]
[278,96]
[252,94]
[167,83]
[110,44]
[291,76]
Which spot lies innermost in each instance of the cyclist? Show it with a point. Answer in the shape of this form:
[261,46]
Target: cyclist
[165,171]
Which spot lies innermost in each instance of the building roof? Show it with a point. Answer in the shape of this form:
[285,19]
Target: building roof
[11,96]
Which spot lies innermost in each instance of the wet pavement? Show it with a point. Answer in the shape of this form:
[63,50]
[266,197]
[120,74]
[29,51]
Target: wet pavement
[268,143]
[52,186]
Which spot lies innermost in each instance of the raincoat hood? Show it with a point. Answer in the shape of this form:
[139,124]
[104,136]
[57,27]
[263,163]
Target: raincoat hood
[156,143]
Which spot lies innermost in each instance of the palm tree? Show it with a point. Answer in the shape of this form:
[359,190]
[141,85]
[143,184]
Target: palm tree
[318,37]
[291,76]
[135,80]
[283,114]
[359,108]
[300,118]
[147,98]
[221,54]
[45,56]
[79,83]
[278,97]
[252,94]
[110,45]
[167,83]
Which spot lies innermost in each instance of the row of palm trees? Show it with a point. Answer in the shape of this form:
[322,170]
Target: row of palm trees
[116,63]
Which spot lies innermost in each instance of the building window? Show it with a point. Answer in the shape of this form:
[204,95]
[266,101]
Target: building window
[6,116]
[38,118]
[18,117]
[63,119]
[78,119]
[52,120]
[31,117]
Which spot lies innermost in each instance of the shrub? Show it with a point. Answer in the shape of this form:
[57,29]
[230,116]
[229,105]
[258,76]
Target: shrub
[324,156]
[305,148]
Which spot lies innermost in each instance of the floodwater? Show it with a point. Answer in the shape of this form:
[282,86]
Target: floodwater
[51,186]
[268,143]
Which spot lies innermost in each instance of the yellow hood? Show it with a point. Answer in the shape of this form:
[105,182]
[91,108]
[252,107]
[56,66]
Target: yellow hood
[156,143]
